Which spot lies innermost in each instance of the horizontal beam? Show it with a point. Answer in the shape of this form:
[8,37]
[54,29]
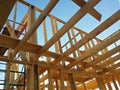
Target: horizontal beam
[8,42]
[43,64]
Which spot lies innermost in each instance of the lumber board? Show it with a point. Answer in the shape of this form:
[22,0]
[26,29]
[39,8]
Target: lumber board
[34,27]
[107,23]
[92,12]
[5,8]
[73,20]
[8,42]
[96,48]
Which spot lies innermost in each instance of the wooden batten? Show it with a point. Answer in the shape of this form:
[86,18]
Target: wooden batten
[69,59]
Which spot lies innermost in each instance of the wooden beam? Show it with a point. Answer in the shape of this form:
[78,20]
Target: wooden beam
[54,29]
[30,22]
[92,12]
[15,14]
[14,43]
[115,84]
[73,20]
[112,67]
[9,42]
[5,8]
[44,65]
[72,81]
[100,83]
[108,62]
[36,77]
[44,31]
[10,29]
[50,85]
[96,48]
[7,76]
[62,86]
[56,18]
[32,77]
[34,27]
[56,83]
[109,86]
[114,18]
[102,57]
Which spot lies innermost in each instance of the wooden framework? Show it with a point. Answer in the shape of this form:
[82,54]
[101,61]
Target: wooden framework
[67,67]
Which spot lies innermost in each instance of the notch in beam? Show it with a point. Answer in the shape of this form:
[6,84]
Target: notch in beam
[92,12]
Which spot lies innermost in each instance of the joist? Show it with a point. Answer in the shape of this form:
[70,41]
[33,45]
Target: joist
[96,48]
[102,57]
[107,62]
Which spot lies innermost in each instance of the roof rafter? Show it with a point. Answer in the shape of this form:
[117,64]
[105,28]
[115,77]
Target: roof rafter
[73,20]
[96,48]
[114,18]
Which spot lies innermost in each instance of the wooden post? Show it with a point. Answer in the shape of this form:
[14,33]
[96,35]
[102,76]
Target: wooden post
[50,86]
[7,76]
[85,88]
[62,87]
[36,77]
[32,77]
[101,84]
[56,30]
[114,82]
[53,32]
[15,13]
[58,43]
[31,20]
[109,85]
[71,43]
[56,82]
[72,82]
[74,38]
[28,80]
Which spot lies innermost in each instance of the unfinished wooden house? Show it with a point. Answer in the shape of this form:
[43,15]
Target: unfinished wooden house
[42,51]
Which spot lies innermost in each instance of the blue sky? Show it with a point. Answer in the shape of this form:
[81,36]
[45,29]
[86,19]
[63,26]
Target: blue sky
[65,9]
